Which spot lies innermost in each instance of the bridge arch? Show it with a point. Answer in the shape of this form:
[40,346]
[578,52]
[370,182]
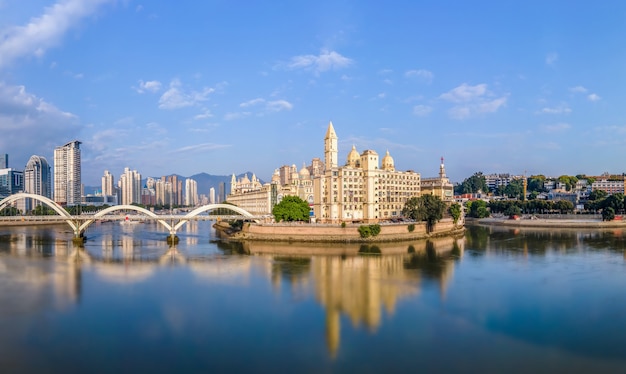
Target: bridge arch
[206,208]
[125,207]
[49,202]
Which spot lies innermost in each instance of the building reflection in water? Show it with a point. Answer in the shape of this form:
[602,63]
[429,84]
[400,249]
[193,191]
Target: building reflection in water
[359,281]
[31,286]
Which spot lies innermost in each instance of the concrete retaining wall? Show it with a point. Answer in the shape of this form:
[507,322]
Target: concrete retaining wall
[335,233]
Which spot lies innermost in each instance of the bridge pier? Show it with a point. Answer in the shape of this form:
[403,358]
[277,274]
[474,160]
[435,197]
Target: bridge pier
[172,238]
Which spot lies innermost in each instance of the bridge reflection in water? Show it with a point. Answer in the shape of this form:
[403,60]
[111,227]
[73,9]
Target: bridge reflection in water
[361,282]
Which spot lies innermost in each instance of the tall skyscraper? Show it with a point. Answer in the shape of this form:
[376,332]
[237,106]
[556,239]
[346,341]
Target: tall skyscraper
[212,195]
[67,174]
[108,184]
[191,192]
[37,179]
[4,161]
[130,187]
[221,195]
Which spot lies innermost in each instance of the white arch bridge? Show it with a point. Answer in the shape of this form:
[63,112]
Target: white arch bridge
[79,223]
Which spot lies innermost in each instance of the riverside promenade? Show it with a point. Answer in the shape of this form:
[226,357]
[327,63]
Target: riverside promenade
[574,223]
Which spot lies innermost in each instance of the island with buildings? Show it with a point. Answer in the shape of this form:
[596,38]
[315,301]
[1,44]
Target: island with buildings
[363,191]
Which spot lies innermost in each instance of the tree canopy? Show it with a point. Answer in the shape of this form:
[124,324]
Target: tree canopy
[427,208]
[473,184]
[291,208]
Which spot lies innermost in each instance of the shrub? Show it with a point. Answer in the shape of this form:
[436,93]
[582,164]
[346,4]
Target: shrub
[411,227]
[364,231]
[343,225]
[375,229]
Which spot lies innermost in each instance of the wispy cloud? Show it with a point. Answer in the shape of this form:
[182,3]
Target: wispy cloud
[46,31]
[200,147]
[552,58]
[557,127]
[472,100]
[560,109]
[149,86]
[267,106]
[326,60]
[422,110]
[578,89]
[594,97]
[421,74]
[177,97]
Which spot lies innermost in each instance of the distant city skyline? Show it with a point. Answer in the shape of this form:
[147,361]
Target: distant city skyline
[169,88]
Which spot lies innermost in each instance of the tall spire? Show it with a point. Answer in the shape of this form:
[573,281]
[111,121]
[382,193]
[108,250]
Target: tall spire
[442,169]
[330,133]
[330,147]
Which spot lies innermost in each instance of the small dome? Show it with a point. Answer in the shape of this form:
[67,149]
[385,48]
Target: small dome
[304,172]
[353,157]
[388,162]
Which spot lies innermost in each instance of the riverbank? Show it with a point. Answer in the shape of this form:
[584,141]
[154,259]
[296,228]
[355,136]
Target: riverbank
[548,223]
[334,233]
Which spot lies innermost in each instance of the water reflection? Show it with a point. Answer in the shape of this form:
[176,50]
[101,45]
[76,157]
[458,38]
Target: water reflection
[360,281]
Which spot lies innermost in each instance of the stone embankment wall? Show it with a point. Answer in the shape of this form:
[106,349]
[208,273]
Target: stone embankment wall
[305,232]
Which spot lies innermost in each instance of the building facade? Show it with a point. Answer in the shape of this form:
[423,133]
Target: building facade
[130,187]
[439,186]
[191,192]
[37,179]
[364,189]
[67,174]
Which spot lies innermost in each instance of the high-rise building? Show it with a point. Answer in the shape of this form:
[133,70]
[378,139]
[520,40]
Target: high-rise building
[37,179]
[212,195]
[11,182]
[108,184]
[130,187]
[67,174]
[191,192]
[221,194]
[4,161]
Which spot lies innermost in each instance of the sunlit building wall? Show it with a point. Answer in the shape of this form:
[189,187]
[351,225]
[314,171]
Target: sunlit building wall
[67,174]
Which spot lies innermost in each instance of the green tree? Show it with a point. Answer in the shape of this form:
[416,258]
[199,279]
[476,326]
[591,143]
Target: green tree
[291,208]
[473,184]
[478,209]
[512,210]
[455,211]
[514,189]
[427,208]
[535,183]
[608,214]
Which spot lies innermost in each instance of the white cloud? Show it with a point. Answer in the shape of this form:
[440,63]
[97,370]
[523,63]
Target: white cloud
[204,115]
[252,102]
[149,86]
[561,109]
[326,60]
[464,93]
[268,106]
[578,89]
[552,58]
[422,110]
[176,97]
[46,31]
[421,74]
[593,97]
[23,114]
[472,100]
[278,105]
[200,147]
[236,115]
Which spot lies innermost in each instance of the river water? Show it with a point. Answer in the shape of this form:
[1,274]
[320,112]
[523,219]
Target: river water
[496,300]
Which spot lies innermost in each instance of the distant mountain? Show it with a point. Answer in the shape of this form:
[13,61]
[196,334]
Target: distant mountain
[205,182]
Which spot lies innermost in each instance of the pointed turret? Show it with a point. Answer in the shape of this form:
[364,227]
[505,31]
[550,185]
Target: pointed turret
[442,170]
[330,147]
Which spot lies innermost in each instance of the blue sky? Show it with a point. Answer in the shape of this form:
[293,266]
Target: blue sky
[228,86]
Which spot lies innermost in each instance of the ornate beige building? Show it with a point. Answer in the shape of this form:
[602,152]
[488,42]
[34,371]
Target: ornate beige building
[439,186]
[364,189]
[361,190]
